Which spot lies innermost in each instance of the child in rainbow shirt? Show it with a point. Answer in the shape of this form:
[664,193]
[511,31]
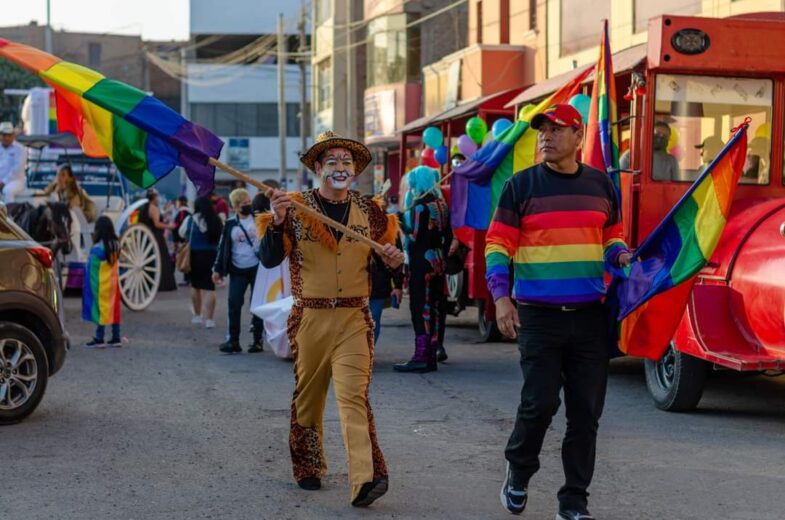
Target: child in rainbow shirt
[101,288]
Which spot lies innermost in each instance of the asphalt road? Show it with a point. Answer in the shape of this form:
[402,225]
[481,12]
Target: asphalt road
[168,428]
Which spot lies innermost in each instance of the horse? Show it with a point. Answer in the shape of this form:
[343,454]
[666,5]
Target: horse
[48,224]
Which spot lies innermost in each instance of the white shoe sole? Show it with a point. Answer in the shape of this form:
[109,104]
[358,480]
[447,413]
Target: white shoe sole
[503,494]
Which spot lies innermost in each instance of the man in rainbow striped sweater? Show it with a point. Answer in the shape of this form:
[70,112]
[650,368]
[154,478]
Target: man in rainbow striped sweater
[559,224]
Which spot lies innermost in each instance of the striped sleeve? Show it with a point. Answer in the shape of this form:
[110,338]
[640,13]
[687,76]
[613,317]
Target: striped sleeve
[501,242]
[613,243]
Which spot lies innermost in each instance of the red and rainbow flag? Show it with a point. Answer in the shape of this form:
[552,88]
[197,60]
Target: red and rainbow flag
[652,293]
[143,137]
[601,150]
[477,183]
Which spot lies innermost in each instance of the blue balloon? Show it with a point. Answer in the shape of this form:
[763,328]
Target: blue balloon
[442,155]
[581,103]
[499,126]
[432,137]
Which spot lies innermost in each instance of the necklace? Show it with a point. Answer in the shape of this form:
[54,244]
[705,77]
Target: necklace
[336,234]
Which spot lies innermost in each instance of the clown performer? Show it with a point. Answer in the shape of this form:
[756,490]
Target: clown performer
[428,233]
[330,326]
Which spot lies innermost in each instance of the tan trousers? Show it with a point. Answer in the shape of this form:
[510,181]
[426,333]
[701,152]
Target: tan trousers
[333,343]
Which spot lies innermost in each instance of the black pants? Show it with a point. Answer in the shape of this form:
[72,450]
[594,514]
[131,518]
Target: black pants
[239,281]
[561,349]
[426,292]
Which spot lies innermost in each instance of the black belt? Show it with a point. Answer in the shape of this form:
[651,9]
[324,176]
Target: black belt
[564,308]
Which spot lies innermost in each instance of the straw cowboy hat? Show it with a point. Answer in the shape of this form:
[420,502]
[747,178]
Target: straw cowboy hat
[326,140]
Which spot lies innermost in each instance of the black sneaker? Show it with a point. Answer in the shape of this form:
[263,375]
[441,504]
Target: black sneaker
[255,347]
[230,347]
[310,483]
[370,491]
[574,514]
[95,343]
[514,494]
[115,343]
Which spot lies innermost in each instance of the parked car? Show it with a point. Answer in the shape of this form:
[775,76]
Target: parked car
[33,339]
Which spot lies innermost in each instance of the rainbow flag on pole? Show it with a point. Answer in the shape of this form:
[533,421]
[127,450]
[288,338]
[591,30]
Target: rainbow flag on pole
[651,294]
[601,150]
[143,137]
[477,183]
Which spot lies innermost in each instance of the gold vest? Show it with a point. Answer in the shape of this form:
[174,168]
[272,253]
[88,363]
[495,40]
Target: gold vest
[322,268]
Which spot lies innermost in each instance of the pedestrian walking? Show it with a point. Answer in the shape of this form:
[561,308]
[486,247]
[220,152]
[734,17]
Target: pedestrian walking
[238,258]
[558,223]
[101,286]
[386,285]
[202,232]
[330,326]
[429,236]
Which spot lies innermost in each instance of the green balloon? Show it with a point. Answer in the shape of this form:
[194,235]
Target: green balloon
[476,129]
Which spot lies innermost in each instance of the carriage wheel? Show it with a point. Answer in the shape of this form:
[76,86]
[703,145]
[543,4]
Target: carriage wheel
[140,267]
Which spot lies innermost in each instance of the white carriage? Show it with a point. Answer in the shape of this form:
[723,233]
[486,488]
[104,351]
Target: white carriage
[140,255]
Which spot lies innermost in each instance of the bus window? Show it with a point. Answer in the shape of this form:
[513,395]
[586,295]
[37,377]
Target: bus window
[697,114]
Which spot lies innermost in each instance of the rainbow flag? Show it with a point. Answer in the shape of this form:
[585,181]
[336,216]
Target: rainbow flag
[143,137]
[101,289]
[601,150]
[477,183]
[651,294]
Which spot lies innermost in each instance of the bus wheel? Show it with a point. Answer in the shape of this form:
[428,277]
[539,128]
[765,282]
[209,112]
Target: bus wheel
[489,331]
[676,381]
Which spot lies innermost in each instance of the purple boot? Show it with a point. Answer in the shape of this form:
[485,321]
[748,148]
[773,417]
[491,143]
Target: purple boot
[423,360]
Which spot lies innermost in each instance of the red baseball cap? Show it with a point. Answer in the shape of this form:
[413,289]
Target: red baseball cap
[561,114]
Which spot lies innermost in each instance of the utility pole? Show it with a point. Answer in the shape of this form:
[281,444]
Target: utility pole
[350,123]
[282,101]
[188,189]
[304,112]
[48,28]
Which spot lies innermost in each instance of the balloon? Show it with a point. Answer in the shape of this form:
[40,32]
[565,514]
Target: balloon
[442,155]
[673,140]
[499,126]
[525,111]
[581,103]
[677,152]
[476,129]
[466,146]
[764,131]
[432,137]
[428,159]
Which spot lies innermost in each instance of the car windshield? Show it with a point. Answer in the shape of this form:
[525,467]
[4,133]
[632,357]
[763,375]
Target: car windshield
[694,116]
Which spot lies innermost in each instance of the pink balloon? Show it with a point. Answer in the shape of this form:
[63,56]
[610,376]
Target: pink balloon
[677,152]
[428,158]
[466,145]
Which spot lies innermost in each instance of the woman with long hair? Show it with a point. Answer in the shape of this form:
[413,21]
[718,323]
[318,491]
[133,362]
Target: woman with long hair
[150,215]
[67,189]
[101,289]
[202,231]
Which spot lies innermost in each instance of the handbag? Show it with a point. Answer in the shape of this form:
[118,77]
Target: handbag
[183,258]
[456,261]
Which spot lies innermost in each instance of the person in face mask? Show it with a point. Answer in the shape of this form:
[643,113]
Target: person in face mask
[238,258]
[665,167]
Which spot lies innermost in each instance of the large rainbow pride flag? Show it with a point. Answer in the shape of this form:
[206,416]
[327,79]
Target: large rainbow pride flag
[142,136]
[477,183]
[601,150]
[651,294]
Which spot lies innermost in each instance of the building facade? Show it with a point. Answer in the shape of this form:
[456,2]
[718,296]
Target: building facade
[232,84]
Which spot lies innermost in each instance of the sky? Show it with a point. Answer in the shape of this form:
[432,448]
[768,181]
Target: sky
[153,19]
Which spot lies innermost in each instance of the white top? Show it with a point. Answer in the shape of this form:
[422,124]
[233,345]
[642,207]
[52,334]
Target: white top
[12,163]
[243,253]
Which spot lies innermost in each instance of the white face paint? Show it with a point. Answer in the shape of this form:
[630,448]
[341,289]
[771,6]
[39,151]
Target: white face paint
[337,169]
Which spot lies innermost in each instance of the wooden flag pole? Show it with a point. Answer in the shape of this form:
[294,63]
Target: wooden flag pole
[302,207]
